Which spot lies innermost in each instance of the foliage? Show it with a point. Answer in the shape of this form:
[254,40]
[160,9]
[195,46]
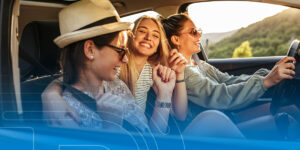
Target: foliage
[269,37]
[244,50]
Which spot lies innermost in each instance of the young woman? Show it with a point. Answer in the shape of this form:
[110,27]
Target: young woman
[210,88]
[148,46]
[91,56]
[207,86]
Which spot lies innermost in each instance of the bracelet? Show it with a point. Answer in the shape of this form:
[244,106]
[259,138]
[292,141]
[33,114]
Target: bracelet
[178,81]
[163,104]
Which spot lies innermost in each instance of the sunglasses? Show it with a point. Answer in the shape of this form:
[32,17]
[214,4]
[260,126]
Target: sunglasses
[194,32]
[122,51]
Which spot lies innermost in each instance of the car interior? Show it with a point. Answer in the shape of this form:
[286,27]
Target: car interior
[39,56]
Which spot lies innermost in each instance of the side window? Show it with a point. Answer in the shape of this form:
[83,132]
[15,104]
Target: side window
[245,29]
[133,17]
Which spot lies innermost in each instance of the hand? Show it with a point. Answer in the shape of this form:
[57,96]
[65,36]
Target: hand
[56,111]
[177,62]
[110,108]
[164,79]
[282,70]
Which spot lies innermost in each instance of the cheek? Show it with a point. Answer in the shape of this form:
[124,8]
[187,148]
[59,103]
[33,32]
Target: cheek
[156,44]
[107,62]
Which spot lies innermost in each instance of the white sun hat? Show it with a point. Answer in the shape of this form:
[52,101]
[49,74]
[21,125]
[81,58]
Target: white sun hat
[87,19]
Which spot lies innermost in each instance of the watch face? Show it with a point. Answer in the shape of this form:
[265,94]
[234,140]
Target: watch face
[163,104]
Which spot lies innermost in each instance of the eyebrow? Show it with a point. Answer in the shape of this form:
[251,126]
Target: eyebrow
[147,28]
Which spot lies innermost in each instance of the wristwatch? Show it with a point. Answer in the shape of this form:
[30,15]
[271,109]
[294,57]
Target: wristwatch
[163,104]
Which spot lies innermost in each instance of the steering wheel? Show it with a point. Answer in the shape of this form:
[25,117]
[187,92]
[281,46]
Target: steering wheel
[288,91]
[293,49]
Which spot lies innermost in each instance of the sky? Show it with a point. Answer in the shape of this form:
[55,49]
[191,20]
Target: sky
[228,16]
[214,17]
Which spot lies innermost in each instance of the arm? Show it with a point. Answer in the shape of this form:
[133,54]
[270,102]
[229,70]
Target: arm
[179,99]
[159,120]
[208,93]
[223,77]
[53,103]
[211,94]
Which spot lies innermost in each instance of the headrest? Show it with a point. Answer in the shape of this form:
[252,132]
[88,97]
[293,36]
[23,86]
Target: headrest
[37,41]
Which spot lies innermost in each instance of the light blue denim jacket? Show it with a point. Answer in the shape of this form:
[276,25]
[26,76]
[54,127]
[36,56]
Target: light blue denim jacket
[211,88]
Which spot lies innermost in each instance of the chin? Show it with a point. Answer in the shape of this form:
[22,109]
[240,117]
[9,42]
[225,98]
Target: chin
[110,78]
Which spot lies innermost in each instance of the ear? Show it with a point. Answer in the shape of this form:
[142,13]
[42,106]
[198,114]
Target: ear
[175,40]
[89,49]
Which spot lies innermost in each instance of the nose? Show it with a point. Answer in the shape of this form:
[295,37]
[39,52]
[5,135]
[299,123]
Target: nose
[147,37]
[125,59]
[199,35]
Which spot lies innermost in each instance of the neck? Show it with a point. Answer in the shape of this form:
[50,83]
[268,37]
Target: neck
[89,83]
[140,61]
[188,57]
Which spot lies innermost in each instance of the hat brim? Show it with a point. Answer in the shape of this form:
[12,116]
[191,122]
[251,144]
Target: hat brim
[69,38]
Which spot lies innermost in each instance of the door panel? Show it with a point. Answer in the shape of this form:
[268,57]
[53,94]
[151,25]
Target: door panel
[237,66]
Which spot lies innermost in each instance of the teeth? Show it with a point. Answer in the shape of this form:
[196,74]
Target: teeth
[146,45]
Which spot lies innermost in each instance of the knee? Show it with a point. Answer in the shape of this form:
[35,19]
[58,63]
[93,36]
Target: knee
[213,114]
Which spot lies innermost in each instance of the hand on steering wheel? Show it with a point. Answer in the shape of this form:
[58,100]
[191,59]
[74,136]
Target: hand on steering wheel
[287,91]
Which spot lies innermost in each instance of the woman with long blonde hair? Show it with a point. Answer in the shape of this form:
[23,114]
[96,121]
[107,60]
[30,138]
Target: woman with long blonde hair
[148,46]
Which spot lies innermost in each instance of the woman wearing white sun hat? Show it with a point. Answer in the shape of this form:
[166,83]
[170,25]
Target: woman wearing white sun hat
[94,47]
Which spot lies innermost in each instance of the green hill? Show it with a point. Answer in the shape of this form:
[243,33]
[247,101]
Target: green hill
[269,37]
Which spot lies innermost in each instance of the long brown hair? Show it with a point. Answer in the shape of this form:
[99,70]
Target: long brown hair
[129,72]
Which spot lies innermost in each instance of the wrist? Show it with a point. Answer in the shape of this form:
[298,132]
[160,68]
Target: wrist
[164,97]
[163,104]
[180,76]
[266,82]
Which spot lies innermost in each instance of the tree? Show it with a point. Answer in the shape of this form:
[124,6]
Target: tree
[244,50]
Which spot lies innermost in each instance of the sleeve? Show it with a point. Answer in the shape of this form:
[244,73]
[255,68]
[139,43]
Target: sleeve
[222,77]
[210,94]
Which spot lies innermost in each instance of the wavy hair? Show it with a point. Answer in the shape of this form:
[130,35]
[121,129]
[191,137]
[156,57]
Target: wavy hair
[129,72]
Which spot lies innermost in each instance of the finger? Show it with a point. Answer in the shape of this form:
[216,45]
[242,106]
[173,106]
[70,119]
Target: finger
[173,75]
[173,57]
[160,70]
[176,61]
[168,74]
[289,72]
[289,66]
[164,75]
[183,62]
[285,76]
[286,59]
[155,71]
[173,51]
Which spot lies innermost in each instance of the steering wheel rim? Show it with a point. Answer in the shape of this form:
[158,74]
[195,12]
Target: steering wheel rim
[293,48]
[283,91]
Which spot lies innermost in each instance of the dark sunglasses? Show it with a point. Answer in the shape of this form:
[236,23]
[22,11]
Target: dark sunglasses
[194,32]
[122,51]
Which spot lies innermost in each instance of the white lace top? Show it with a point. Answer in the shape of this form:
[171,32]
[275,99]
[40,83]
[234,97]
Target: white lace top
[130,111]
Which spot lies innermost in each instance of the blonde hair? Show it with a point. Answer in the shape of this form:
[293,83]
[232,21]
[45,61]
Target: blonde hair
[129,73]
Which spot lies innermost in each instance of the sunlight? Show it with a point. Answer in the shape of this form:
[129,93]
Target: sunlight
[215,17]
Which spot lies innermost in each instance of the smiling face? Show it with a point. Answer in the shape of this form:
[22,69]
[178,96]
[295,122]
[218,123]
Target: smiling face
[146,38]
[188,39]
[107,60]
